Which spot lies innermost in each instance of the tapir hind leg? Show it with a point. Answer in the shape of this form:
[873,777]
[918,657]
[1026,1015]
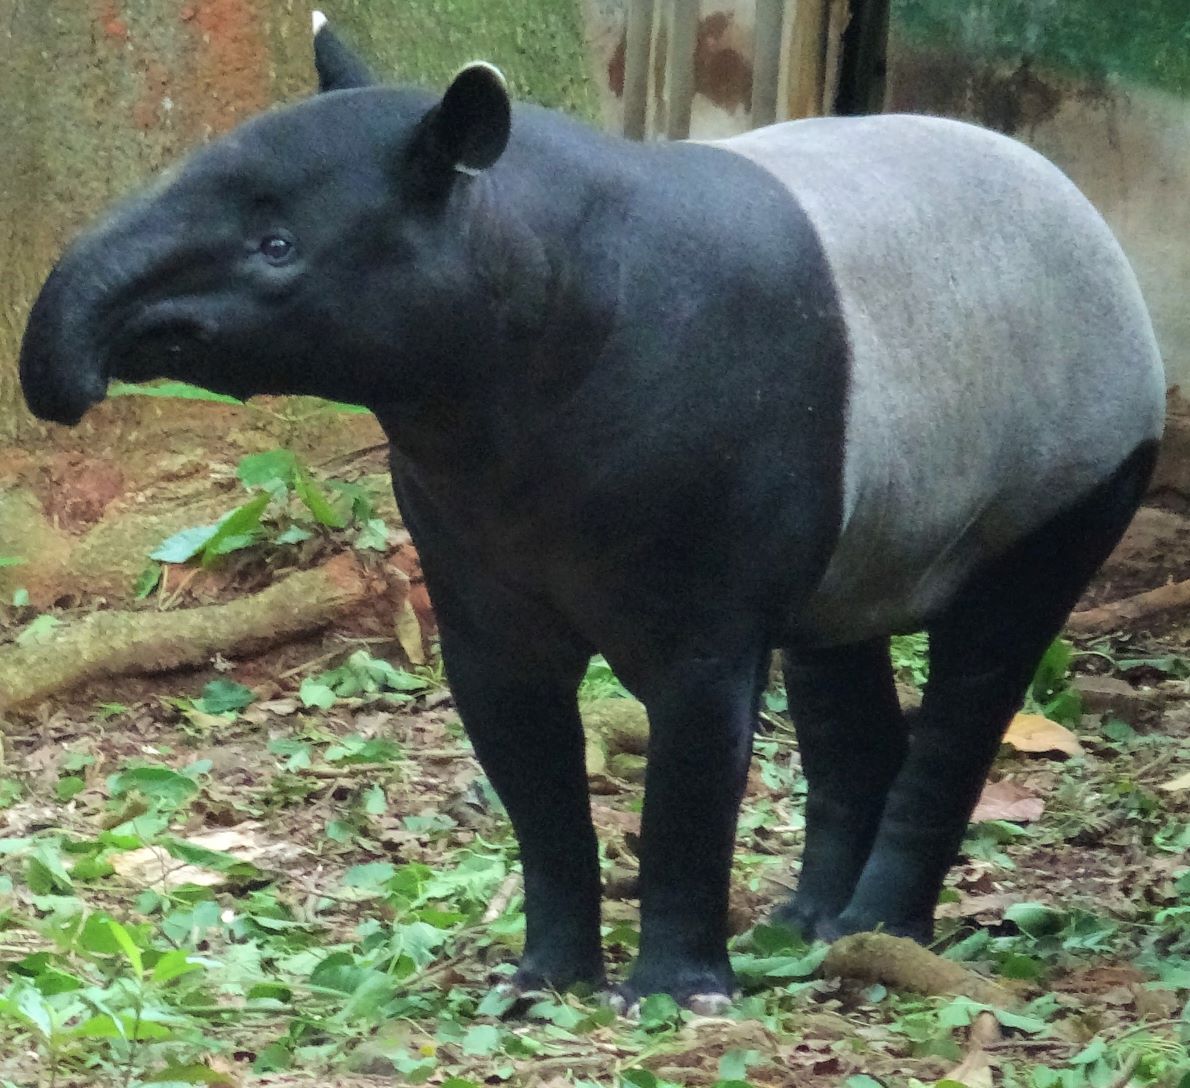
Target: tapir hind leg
[983,652]
[852,738]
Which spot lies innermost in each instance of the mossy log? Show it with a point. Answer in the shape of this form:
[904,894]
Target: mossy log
[116,643]
[902,964]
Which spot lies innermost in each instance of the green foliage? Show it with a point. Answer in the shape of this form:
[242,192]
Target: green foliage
[600,682]
[363,676]
[287,509]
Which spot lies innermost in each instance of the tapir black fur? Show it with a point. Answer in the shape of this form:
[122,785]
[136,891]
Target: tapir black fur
[680,404]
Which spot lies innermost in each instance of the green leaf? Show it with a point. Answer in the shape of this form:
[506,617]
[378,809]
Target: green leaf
[316,502]
[45,873]
[659,1011]
[20,598]
[39,632]
[276,468]
[31,1006]
[862,1080]
[221,695]
[187,1074]
[1034,919]
[295,534]
[185,545]
[121,1026]
[147,581]
[315,693]
[481,1040]
[161,784]
[177,390]
[217,861]
[733,1066]
[373,536]
[12,561]
[128,947]
[173,965]
[68,787]
[638,1078]
[239,529]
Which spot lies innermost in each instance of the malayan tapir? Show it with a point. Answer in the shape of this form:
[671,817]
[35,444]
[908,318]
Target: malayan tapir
[679,404]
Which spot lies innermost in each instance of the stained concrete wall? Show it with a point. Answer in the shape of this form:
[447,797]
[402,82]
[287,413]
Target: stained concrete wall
[1102,87]
[722,64]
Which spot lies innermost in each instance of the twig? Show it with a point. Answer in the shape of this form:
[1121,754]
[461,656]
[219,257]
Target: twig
[502,898]
[1121,1079]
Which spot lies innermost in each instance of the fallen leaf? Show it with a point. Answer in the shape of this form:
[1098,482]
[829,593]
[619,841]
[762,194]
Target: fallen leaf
[409,634]
[1008,800]
[153,866]
[1036,734]
[975,1070]
[1174,785]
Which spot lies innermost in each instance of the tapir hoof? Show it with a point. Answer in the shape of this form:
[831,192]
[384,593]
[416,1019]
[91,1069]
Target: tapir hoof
[705,990]
[539,974]
[700,1004]
[805,920]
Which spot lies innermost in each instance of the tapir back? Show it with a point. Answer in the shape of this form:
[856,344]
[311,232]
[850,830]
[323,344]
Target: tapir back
[1001,360]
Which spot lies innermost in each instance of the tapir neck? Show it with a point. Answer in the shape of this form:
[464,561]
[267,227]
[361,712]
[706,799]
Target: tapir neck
[544,223]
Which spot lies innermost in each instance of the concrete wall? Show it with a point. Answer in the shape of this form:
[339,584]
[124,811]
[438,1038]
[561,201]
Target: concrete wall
[1102,87]
[722,64]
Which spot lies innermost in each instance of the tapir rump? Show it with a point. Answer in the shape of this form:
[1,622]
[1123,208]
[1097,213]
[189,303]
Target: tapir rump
[682,405]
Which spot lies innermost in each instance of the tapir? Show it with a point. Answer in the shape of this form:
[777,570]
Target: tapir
[682,404]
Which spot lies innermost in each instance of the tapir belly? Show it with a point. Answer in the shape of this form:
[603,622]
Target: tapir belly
[1001,361]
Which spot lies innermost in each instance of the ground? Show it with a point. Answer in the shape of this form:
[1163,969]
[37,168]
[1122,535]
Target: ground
[288,870]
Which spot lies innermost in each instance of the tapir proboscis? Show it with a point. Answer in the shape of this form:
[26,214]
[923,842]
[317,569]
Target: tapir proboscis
[680,404]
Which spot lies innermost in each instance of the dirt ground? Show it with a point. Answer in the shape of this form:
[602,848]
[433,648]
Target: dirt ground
[1102,842]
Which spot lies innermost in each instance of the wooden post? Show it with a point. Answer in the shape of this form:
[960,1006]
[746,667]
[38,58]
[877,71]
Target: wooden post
[679,67]
[766,62]
[839,16]
[807,58]
[637,50]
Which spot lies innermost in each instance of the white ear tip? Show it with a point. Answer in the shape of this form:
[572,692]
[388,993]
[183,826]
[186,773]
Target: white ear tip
[318,19]
[490,68]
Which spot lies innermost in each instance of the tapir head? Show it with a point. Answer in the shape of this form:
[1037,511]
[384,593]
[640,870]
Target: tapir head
[308,251]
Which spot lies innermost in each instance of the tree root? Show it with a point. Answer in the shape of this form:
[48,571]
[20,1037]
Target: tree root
[1130,610]
[116,643]
[904,965]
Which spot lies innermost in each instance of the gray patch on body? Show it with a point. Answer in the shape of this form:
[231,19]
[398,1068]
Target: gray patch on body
[1002,359]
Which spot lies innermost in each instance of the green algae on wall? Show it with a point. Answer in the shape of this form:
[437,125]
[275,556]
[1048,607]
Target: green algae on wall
[1138,41]
[538,44]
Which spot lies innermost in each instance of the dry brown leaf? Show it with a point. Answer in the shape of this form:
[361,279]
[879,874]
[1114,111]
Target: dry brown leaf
[409,634]
[1175,785]
[1036,734]
[1008,800]
[153,867]
[975,1070]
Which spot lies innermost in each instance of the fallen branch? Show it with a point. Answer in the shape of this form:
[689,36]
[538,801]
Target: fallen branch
[108,644]
[902,964]
[1130,610]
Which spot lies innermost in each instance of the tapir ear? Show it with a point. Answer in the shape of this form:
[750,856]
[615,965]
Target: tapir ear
[468,130]
[338,67]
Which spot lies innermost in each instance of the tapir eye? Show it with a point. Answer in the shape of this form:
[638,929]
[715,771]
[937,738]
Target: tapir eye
[276,248]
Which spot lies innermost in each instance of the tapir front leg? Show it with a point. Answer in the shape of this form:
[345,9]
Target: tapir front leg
[702,714]
[524,725]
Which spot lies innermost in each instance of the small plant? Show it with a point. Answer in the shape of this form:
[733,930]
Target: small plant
[287,507]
